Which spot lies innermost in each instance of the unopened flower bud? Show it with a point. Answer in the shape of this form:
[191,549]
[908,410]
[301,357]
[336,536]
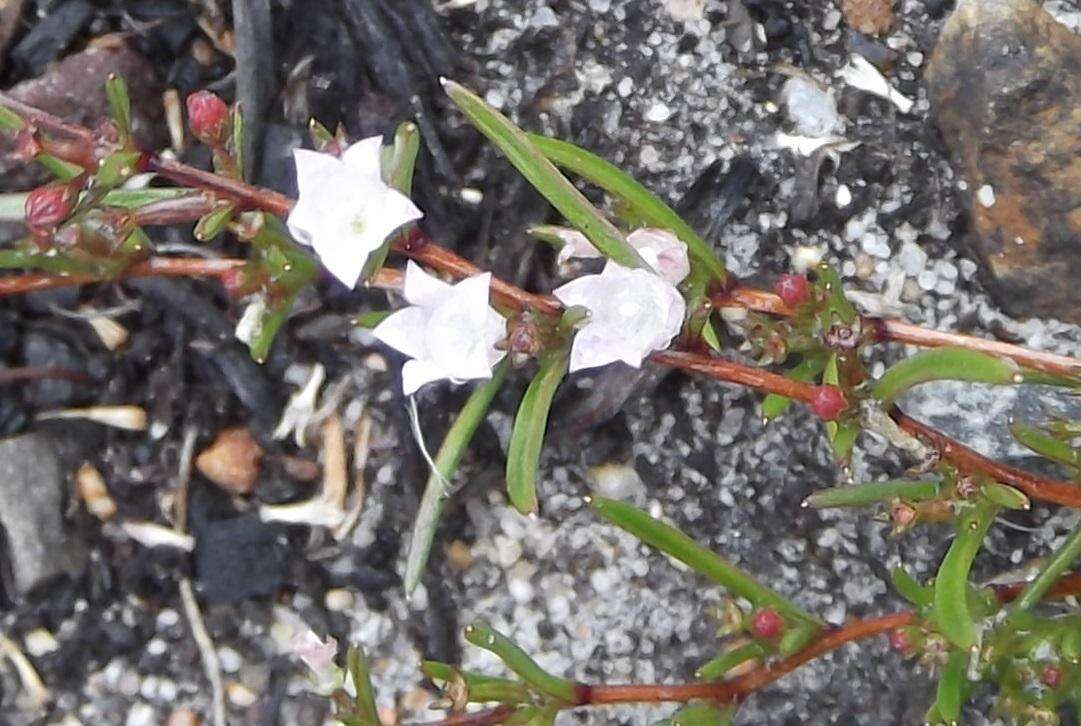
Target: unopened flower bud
[48,206]
[793,289]
[900,642]
[902,515]
[1051,676]
[208,117]
[766,624]
[828,402]
[842,337]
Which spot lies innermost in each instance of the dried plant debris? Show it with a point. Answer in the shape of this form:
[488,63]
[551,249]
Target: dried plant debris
[871,17]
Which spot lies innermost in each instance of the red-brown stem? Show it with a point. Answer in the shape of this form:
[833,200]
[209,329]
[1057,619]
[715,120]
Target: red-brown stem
[726,370]
[416,245]
[901,332]
[47,122]
[246,195]
[154,267]
[969,461]
[1067,586]
[187,208]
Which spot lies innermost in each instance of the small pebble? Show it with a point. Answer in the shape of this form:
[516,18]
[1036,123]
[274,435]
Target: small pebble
[40,642]
[657,113]
[232,461]
[986,195]
[240,695]
[229,659]
[339,600]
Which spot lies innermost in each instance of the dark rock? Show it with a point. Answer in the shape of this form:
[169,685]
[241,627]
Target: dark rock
[40,546]
[238,558]
[48,351]
[49,38]
[1005,82]
[10,13]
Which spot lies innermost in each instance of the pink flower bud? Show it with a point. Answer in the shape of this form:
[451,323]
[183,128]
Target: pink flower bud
[793,289]
[766,624]
[208,117]
[1051,676]
[48,206]
[828,402]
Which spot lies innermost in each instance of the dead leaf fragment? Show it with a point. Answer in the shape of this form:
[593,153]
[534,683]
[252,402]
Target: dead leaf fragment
[232,461]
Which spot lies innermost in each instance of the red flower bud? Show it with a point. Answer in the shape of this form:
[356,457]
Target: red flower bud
[766,624]
[793,289]
[828,402]
[899,641]
[1051,676]
[208,117]
[48,206]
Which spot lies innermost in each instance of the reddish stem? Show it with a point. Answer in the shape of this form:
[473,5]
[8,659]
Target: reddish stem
[154,267]
[901,332]
[726,370]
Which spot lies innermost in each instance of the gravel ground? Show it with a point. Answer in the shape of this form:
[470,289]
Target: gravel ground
[665,99]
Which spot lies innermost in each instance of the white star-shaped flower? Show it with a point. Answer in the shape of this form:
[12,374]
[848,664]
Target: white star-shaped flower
[662,250]
[319,656]
[632,312]
[345,210]
[450,331]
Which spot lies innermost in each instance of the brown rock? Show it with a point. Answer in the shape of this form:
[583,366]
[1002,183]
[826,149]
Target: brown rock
[232,461]
[1005,84]
[74,89]
[871,17]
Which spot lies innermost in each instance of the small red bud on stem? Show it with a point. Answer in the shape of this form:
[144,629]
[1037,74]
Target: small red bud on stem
[208,117]
[766,624]
[793,289]
[48,206]
[828,402]
[1051,676]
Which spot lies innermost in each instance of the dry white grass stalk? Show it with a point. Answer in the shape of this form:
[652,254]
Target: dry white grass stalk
[128,418]
[91,488]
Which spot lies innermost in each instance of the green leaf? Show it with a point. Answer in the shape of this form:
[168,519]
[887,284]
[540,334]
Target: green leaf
[364,702]
[796,639]
[530,424]
[371,318]
[480,688]
[910,589]
[116,91]
[644,203]
[950,694]
[715,670]
[533,716]
[10,122]
[1060,561]
[1046,445]
[951,583]
[135,198]
[212,224]
[703,714]
[547,180]
[59,168]
[679,546]
[1005,496]
[837,308]
[482,635]
[398,163]
[860,495]
[773,405]
[238,142]
[935,364]
[115,169]
[446,463]
[273,319]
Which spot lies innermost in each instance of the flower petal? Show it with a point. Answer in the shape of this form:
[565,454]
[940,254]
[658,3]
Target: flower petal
[422,288]
[401,331]
[366,157]
[416,373]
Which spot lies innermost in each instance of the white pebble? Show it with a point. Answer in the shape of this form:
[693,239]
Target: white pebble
[986,195]
[229,659]
[843,197]
[40,642]
[657,113]
[625,87]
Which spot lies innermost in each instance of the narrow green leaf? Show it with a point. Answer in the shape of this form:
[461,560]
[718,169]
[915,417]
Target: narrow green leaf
[530,424]
[1005,496]
[540,172]
[115,169]
[10,122]
[910,589]
[951,583]
[238,142]
[949,695]
[481,688]
[214,223]
[703,714]
[403,157]
[59,168]
[364,702]
[135,198]
[773,405]
[1060,561]
[1070,645]
[679,546]
[1046,445]
[838,309]
[371,318]
[533,716]
[643,202]
[715,670]
[446,463]
[273,319]
[935,364]
[482,635]
[860,495]
[116,91]
[796,639]
[709,334]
